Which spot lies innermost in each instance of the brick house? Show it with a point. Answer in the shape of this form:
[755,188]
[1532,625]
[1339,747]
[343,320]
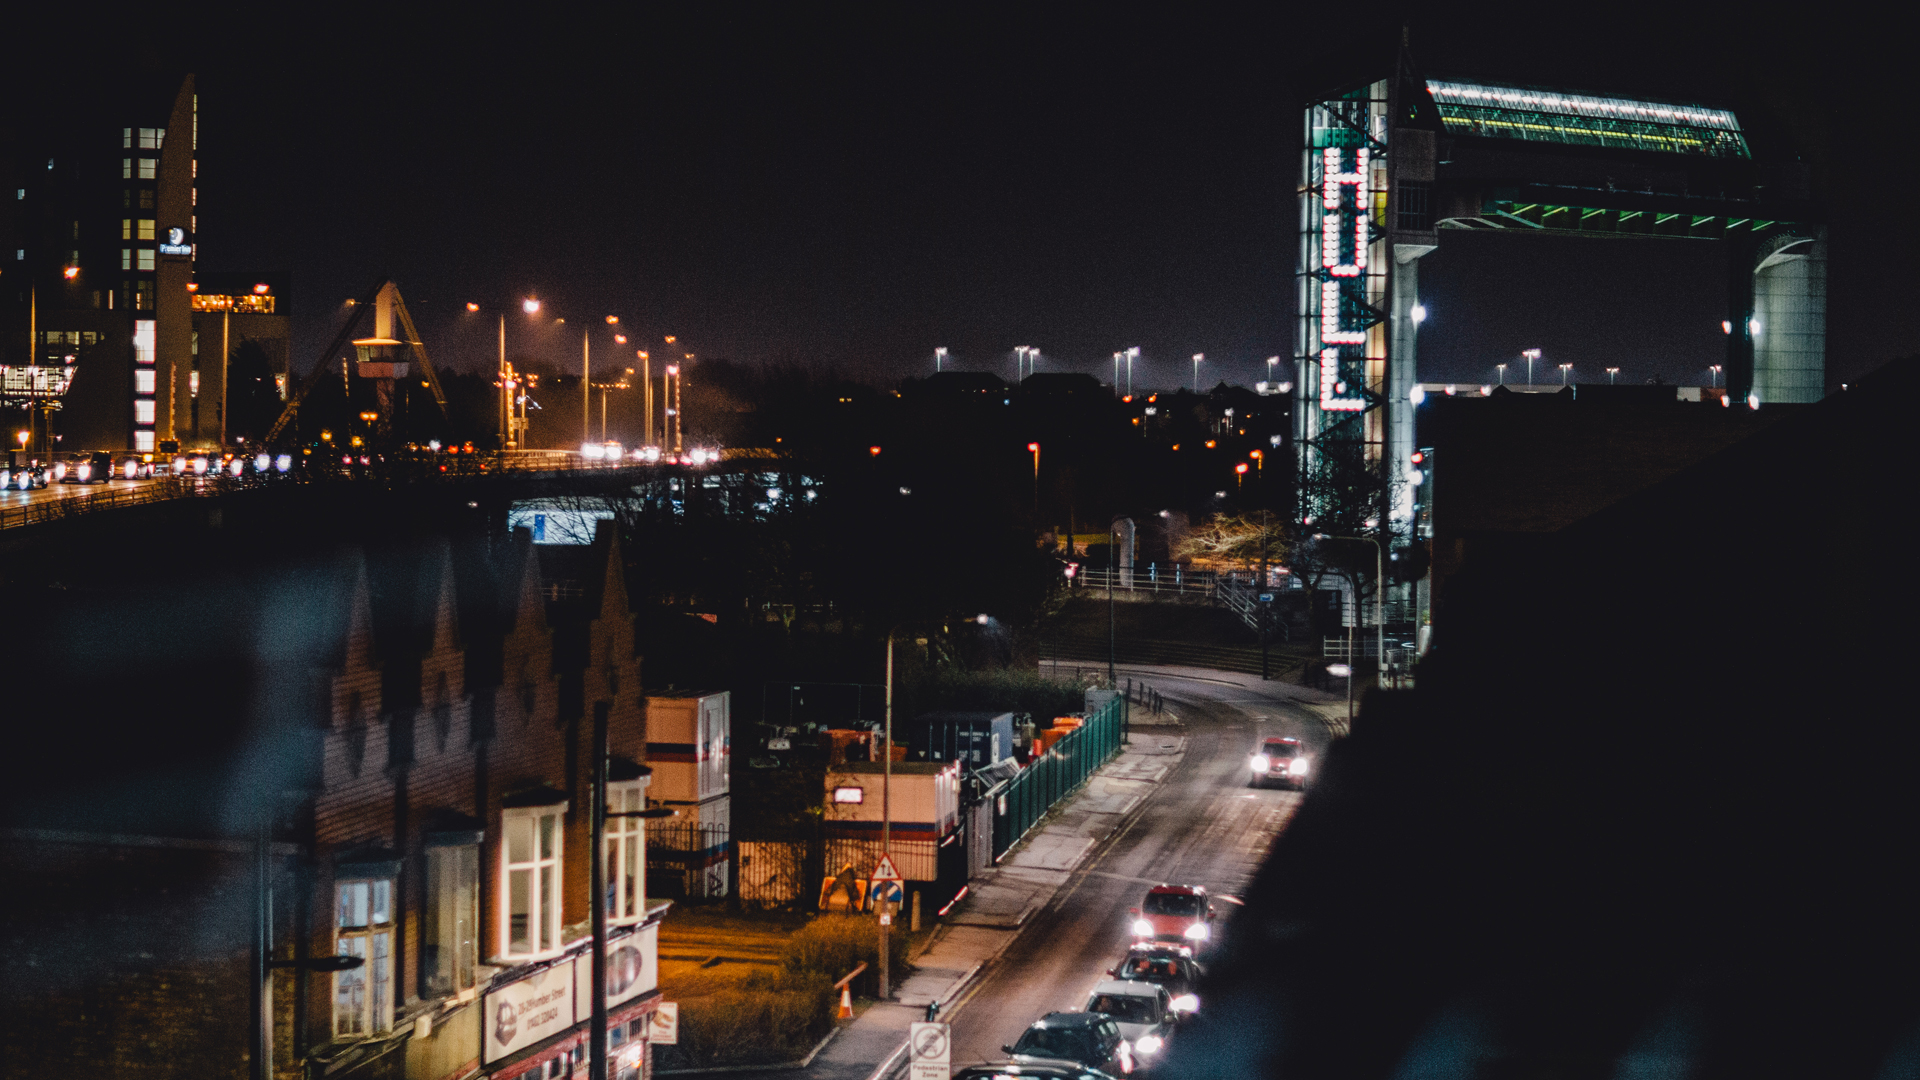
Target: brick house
[424,713]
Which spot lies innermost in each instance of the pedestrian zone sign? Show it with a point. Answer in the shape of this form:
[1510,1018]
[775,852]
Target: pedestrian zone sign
[886,871]
[931,1047]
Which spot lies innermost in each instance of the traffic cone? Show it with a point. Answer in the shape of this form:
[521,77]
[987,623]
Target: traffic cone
[846,1003]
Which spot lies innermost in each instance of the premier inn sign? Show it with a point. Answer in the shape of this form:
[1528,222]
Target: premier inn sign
[522,1013]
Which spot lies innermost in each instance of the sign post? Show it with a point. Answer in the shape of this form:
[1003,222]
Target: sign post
[930,1051]
[884,875]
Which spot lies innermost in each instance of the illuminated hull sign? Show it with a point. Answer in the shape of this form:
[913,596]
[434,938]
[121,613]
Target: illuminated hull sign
[1344,316]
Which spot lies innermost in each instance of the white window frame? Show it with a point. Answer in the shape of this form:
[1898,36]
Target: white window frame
[544,891]
[626,854]
[359,930]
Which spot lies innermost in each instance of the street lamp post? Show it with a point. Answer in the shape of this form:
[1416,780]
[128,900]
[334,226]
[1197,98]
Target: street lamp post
[1531,355]
[1197,357]
[597,891]
[1502,369]
[1034,449]
[939,355]
[1611,372]
[1116,370]
[1379,603]
[1272,361]
[1133,353]
[1716,375]
[1564,369]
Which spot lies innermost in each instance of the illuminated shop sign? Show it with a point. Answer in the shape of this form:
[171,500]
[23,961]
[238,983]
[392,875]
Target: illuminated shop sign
[176,243]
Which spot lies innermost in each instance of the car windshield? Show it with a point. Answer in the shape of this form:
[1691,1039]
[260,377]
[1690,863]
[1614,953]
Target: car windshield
[1054,1042]
[1126,1008]
[1280,749]
[1151,969]
[1172,904]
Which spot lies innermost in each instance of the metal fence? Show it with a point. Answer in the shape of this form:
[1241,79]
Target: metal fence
[1024,800]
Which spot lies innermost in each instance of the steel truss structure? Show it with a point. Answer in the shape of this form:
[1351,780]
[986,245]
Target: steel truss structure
[1386,166]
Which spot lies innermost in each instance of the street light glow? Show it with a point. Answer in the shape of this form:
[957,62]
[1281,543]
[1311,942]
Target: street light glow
[530,305]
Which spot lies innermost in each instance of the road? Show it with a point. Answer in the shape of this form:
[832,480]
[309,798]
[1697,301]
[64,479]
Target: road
[1203,825]
[13,497]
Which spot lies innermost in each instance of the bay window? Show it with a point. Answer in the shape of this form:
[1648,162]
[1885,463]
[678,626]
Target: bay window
[626,856]
[451,932]
[363,927]
[530,881]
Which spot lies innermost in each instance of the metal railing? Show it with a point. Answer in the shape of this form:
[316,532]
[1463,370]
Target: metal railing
[1175,580]
[1021,802]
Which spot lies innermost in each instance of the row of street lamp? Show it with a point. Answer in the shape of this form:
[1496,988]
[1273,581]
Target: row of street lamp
[515,387]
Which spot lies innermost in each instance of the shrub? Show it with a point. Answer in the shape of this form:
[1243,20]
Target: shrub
[833,945]
[766,1018]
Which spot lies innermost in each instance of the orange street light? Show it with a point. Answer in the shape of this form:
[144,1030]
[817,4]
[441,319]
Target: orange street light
[473,307]
[613,320]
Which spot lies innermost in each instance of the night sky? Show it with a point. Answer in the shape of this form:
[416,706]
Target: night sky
[841,188]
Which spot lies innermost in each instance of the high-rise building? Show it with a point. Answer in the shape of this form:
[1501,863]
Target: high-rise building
[98,320]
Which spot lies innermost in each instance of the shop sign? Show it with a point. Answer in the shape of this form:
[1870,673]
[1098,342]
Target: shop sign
[522,1013]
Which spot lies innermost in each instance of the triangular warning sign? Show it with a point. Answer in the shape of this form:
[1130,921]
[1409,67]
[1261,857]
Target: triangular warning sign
[886,871]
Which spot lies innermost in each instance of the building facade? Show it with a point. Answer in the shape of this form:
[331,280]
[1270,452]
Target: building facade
[103,338]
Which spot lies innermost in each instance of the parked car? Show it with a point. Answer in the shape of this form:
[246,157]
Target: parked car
[1030,1070]
[24,473]
[1280,761]
[1092,1039]
[1143,1010]
[1169,966]
[1180,914]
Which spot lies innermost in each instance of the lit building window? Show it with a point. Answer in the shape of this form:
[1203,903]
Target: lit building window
[143,259]
[143,294]
[626,853]
[143,381]
[143,341]
[143,440]
[363,927]
[143,409]
[451,939]
[530,881]
[126,258]
[142,229]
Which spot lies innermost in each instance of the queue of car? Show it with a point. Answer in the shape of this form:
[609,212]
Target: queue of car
[1131,1013]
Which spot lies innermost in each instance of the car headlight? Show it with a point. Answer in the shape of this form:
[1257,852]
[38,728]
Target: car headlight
[1147,1044]
[1260,763]
[1186,1003]
[1298,767]
[1198,932]
[1142,928]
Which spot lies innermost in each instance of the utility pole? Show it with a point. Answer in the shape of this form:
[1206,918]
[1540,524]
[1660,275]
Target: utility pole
[586,386]
[886,812]
[1113,570]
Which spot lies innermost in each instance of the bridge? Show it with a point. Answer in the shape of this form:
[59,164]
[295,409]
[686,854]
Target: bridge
[496,476]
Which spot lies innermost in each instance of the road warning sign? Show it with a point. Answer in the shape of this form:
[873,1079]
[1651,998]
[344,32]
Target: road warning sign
[886,871]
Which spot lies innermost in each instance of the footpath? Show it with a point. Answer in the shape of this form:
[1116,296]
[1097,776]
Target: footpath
[999,903]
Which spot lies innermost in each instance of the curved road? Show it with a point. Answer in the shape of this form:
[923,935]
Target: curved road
[1202,825]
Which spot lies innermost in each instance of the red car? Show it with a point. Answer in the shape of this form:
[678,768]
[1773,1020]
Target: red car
[1280,760]
[1181,914]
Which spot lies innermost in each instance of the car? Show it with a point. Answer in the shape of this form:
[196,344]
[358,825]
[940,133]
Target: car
[1280,760]
[134,465]
[1172,967]
[1091,1039]
[1038,1069]
[25,475]
[1143,1010]
[1180,914]
[90,468]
